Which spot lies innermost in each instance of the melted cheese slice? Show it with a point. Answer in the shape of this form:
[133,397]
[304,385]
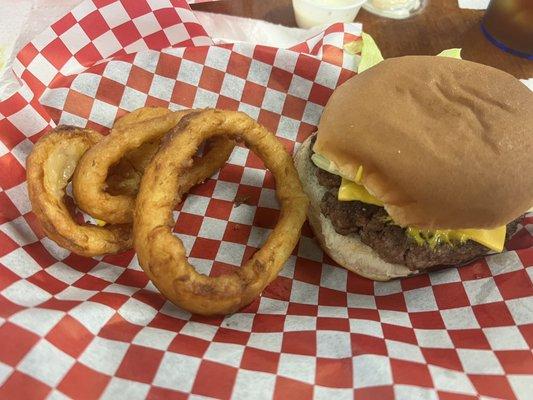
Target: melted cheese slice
[494,239]
[350,191]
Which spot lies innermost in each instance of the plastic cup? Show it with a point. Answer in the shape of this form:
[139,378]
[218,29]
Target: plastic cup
[508,24]
[396,9]
[311,13]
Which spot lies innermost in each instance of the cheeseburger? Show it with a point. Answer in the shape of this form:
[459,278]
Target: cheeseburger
[418,163]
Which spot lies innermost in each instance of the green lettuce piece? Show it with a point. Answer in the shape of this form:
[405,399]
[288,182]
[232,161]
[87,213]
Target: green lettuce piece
[453,53]
[370,54]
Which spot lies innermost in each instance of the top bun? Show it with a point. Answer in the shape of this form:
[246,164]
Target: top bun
[444,143]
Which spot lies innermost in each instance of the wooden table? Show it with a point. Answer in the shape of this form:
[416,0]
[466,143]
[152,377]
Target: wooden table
[440,25]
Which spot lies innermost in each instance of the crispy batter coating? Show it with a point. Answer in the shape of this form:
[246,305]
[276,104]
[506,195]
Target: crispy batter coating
[164,183]
[107,178]
[49,169]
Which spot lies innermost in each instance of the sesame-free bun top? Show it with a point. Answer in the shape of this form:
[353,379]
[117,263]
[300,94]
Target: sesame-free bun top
[444,143]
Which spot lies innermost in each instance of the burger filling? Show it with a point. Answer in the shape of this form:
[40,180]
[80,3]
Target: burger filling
[408,246]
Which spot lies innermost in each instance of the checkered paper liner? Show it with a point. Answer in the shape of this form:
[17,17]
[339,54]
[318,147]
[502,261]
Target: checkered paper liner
[74,327]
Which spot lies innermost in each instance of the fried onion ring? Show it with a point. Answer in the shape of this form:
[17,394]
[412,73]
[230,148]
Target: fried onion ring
[140,115]
[165,181]
[124,177]
[135,138]
[49,169]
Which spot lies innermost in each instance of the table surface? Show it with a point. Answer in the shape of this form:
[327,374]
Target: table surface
[440,25]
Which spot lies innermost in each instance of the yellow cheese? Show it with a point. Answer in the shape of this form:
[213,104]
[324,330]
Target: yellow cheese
[350,191]
[494,239]
[359,175]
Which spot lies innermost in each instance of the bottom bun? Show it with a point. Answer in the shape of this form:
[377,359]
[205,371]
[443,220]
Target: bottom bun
[348,251]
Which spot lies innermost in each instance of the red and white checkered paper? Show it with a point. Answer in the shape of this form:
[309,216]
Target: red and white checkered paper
[83,328]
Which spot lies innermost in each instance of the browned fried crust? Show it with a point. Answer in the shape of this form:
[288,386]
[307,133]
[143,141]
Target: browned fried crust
[47,177]
[165,181]
[125,153]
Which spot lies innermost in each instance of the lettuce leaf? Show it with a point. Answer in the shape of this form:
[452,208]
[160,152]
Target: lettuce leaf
[453,53]
[370,54]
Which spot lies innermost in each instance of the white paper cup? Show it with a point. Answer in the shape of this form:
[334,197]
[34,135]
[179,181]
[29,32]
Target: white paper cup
[311,13]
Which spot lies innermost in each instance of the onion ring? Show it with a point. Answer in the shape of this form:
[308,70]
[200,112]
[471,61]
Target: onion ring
[140,115]
[137,138]
[136,160]
[162,255]
[125,176]
[49,169]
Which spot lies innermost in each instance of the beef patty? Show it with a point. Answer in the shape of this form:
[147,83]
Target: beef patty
[390,241]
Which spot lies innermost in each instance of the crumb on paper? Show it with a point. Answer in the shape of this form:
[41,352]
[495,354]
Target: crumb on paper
[242,199]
